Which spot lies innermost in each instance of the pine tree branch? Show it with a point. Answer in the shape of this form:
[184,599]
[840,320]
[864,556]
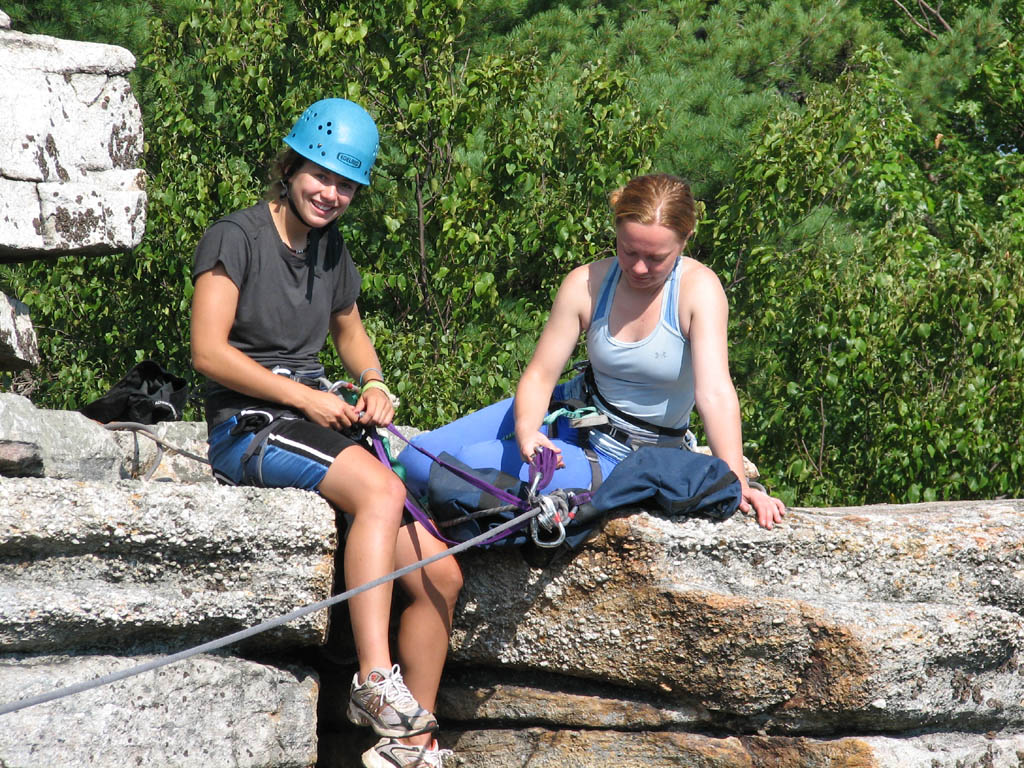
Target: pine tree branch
[924,8]
[934,12]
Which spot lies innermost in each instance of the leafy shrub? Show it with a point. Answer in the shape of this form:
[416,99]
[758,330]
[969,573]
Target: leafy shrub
[878,299]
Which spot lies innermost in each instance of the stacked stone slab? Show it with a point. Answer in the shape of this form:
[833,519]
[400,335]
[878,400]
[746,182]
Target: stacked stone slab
[869,636]
[847,633]
[70,149]
[101,572]
[884,636]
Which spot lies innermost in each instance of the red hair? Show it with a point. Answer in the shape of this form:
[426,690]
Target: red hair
[657,198]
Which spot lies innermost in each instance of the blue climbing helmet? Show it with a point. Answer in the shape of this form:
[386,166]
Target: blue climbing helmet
[339,135]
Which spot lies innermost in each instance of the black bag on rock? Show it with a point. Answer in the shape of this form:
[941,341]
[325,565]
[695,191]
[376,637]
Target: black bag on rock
[146,394]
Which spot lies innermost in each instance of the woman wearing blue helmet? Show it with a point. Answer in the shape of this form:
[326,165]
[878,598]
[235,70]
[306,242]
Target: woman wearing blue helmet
[271,281]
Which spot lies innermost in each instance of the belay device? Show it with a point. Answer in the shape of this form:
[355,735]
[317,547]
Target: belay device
[469,501]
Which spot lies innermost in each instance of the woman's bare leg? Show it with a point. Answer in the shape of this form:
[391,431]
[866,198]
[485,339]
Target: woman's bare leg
[359,484]
[426,623]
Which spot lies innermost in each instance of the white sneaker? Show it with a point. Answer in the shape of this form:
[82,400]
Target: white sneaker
[385,704]
[389,753]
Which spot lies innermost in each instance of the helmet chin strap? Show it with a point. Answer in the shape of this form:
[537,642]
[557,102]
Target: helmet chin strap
[313,241]
[287,193]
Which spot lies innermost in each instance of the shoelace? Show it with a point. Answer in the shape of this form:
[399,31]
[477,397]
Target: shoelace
[393,690]
[435,756]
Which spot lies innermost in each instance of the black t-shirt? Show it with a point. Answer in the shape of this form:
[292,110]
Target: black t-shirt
[279,321]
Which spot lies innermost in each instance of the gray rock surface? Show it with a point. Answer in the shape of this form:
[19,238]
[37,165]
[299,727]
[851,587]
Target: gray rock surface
[874,619]
[70,148]
[85,565]
[68,445]
[868,636]
[18,346]
[203,712]
[540,748]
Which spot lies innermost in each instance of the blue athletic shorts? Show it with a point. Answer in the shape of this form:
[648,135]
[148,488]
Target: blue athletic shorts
[297,454]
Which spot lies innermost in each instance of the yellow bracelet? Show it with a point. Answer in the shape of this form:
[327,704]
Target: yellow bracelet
[375,384]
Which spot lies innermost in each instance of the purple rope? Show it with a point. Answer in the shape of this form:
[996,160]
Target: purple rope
[418,514]
[545,463]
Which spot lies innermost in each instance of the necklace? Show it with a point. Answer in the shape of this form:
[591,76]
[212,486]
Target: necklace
[279,215]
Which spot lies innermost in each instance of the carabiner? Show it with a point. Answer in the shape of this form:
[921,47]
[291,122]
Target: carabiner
[550,518]
[535,535]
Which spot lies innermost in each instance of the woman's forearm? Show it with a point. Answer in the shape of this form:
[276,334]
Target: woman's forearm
[720,414]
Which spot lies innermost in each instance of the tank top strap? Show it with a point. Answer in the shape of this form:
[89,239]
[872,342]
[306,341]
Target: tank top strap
[670,306]
[606,294]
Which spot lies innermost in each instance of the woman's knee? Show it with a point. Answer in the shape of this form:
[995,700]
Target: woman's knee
[384,496]
[372,489]
[444,579]
[450,580]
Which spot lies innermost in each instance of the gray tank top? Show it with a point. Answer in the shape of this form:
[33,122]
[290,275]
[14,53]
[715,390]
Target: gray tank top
[651,379]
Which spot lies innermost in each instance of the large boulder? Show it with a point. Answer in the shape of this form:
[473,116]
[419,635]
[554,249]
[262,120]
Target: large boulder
[542,748]
[100,565]
[70,148]
[59,444]
[871,619]
[884,636]
[38,442]
[105,573]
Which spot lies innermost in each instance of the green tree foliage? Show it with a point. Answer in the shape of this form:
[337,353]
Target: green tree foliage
[103,21]
[451,233]
[861,170]
[876,274]
[710,71]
